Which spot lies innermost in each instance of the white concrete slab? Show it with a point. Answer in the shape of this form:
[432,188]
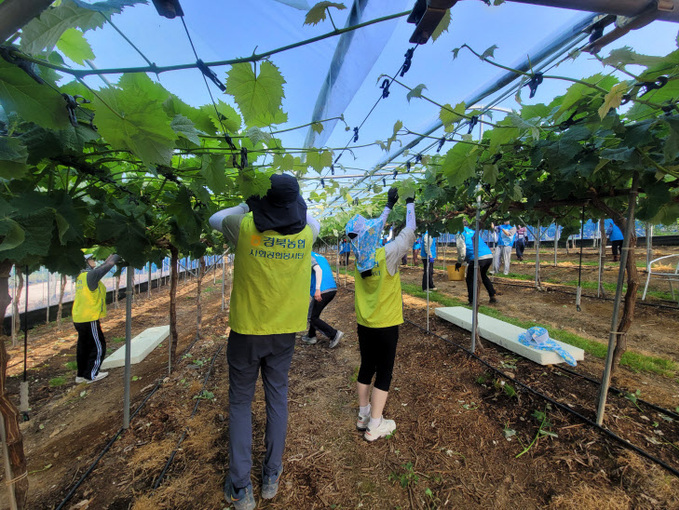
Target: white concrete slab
[141,346]
[506,335]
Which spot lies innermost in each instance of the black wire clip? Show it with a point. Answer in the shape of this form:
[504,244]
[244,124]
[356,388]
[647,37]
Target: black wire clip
[243,157]
[385,89]
[332,169]
[72,104]
[29,68]
[384,181]
[408,61]
[355,134]
[408,167]
[659,83]
[395,174]
[533,84]
[473,121]
[323,182]
[209,73]
[441,142]
[669,108]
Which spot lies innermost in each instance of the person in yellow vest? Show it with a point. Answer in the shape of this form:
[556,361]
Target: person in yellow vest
[273,236]
[379,311]
[89,306]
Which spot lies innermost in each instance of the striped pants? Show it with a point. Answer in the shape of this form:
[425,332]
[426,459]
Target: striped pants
[91,348]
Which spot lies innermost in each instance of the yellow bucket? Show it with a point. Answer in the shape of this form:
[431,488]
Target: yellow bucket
[455,275]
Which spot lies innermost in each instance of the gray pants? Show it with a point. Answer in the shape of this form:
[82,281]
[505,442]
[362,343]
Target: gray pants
[504,253]
[247,354]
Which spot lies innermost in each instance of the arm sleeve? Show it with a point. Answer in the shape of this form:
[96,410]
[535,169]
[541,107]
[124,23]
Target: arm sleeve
[403,243]
[319,275]
[314,224]
[227,221]
[461,248]
[385,214]
[95,276]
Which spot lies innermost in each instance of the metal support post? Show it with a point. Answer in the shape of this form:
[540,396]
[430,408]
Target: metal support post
[128,346]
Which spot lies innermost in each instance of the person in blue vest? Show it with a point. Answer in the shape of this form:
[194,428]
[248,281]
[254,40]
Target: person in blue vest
[417,246]
[503,249]
[465,253]
[272,236]
[379,311]
[428,254]
[323,290]
[89,306]
[345,249]
[616,237]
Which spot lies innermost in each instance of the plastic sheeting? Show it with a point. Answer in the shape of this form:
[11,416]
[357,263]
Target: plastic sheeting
[354,57]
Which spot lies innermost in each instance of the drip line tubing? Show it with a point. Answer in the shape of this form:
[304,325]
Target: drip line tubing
[116,436]
[555,403]
[186,429]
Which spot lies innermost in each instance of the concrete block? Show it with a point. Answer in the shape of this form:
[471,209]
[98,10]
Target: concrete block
[141,346]
[506,335]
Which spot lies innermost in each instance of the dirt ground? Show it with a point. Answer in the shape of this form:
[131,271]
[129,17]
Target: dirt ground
[466,437]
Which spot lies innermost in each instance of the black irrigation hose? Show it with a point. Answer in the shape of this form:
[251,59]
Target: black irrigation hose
[115,437]
[181,439]
[106,449]
[622,392]
[557,289]
[559,405]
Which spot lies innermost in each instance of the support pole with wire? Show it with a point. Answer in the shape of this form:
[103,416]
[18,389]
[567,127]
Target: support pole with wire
[23,386]
[578,292]
[128,346]
[613,336]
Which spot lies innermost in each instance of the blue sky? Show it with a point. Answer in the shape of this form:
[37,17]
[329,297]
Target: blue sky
[228,29]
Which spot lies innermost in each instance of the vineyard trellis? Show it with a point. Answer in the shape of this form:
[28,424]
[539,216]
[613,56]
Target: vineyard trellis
[134,169]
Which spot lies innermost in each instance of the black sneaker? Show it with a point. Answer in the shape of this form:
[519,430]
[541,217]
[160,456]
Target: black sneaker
[492,299]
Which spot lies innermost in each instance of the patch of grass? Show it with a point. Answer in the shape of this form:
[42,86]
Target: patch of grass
[118,339]
[354,376]
[55,382]
[71,365]
[635,361]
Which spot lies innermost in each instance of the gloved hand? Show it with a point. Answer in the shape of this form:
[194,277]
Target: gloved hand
[410,200]
[457,266]
[392,198]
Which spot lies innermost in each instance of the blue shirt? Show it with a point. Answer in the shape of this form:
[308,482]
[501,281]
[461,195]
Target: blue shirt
[328,281]
[469,243]
[613,232]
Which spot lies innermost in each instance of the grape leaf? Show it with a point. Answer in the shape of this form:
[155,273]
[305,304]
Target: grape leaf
[212,168]
[74,45]
[43,32]
[625,55]
[442,26]
[259,97]
[490,52]
[450,115]
[318,160]
[317,126]
[318,12]
[32,101]
[13,155]
[613,98]
[256,135]
[283,161]
[184,127]
[416,91]
[459,164]
[11,234]
[132,117]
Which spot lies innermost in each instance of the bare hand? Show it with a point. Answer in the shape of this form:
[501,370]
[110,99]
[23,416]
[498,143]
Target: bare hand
[317,296]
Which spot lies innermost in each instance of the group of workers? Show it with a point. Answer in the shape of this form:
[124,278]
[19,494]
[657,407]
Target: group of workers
[275,275]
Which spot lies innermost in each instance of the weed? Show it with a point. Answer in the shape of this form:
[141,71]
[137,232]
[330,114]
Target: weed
[508,432]
[406,479]
[118,339]
[71,365]
[205,395]
[543,429]
[633,397]
[57,381]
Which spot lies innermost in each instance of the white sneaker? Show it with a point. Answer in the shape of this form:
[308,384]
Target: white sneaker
[384,429]
[79,379]
[335,341]
[98,377]
[309,340]
[362,422]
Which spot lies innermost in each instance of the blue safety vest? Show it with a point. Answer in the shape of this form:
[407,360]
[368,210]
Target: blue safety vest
[328,281]
[469,245]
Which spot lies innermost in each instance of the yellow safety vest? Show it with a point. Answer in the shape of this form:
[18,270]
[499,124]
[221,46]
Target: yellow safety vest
[378,301]
[88,306]
[271,281]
